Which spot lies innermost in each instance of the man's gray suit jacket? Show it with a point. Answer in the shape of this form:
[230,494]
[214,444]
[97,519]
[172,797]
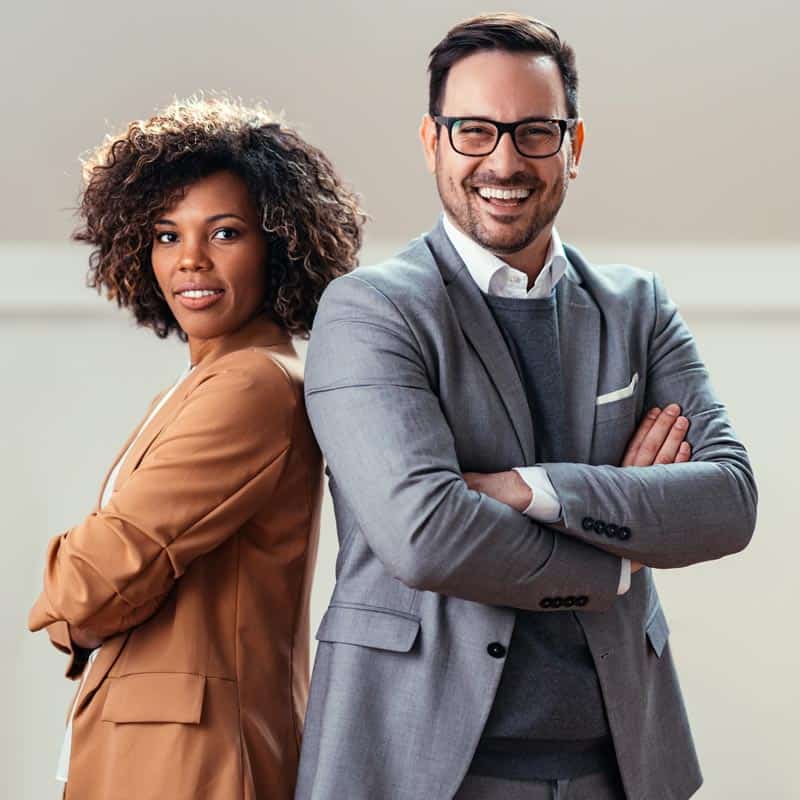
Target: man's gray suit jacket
[409,383]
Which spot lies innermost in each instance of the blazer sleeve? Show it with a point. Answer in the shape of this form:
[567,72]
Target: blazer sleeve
[677,514]
[206,473]
[392,455]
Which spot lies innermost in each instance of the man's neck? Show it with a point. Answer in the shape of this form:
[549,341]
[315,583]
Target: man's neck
[531,259]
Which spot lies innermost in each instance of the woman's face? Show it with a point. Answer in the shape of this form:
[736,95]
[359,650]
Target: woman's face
[209,258]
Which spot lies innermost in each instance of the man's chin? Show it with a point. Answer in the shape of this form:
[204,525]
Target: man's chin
[504,237]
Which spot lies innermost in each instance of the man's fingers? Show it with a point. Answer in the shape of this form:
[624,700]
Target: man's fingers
[656,436]
[638,437]
[669,450]
[684,453]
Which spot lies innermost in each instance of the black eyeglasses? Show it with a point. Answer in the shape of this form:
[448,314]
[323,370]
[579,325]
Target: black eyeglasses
[533,137]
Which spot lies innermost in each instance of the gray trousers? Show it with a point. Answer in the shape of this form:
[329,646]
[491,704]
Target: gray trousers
[597,786]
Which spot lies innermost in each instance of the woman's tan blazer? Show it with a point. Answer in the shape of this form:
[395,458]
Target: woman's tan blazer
[198,573]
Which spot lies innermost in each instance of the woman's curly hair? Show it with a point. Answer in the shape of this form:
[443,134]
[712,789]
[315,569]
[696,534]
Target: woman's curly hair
[312,222]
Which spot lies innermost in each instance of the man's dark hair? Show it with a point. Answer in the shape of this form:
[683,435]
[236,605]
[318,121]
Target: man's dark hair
[513,33]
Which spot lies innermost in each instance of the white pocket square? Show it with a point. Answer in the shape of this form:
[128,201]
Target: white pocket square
[619,394]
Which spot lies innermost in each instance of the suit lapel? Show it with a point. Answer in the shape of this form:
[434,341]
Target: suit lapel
[579,328]
[481,330]
[155,426]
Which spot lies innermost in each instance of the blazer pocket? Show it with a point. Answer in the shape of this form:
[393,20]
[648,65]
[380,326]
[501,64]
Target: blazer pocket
[155,697]
[619,394]
[657,631]
[369,626]
[616,404]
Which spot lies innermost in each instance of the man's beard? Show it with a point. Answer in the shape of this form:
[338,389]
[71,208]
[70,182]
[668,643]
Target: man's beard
[547,201]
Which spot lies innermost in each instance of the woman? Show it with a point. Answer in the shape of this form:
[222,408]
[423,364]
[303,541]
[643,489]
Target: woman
[215,222]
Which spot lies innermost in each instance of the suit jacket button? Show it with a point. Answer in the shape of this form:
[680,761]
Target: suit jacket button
[599,527]
[496,650]
[582,600]
[546,603]
[588,523]
[624,533]
[612,530]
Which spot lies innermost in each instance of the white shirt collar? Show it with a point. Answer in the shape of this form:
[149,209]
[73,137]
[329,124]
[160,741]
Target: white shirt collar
[495,277]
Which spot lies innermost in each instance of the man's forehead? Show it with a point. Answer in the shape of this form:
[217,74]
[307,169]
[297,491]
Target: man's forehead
[500,84]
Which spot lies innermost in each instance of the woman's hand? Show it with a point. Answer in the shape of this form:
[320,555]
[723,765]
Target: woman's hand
[84,638]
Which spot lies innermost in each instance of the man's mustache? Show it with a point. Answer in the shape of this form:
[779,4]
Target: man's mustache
[518,180]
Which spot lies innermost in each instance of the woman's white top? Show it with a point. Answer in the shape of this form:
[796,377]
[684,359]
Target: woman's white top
[66,746]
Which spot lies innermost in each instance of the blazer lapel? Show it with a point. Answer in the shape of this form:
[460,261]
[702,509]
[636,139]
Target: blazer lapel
[122,452]
[481,330]
[155,426]
[579,337]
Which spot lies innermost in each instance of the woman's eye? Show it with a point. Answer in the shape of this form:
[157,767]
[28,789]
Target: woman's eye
[226,234]
[165,237]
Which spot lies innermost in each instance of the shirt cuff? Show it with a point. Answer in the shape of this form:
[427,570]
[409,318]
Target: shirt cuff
[545,505]
[624,576]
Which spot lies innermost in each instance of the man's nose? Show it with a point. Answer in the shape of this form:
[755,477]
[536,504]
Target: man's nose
[505,160]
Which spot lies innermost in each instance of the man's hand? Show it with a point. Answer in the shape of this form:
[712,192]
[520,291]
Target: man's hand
[507,487]
[659,439]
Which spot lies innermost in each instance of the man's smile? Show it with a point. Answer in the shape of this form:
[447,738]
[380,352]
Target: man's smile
[501,197]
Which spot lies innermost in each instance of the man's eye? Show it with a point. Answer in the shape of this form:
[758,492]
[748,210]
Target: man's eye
[226,234]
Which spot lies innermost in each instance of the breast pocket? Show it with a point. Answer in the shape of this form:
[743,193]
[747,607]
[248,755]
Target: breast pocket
[369,626]
[617,403]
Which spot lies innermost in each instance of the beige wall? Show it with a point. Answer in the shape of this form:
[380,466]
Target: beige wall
[690,106]
[690,170]
[77,376]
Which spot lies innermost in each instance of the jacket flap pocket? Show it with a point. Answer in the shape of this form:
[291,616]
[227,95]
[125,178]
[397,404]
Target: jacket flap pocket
[658,631]
[369,627]
[155,697]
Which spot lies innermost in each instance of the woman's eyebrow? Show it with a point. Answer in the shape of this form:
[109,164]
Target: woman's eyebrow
[222,216]
[214,218]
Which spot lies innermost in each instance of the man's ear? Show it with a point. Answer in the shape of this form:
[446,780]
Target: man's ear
[577,148]
[429,136]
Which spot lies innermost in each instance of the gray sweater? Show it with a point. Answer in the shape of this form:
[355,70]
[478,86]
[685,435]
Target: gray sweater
[548,720]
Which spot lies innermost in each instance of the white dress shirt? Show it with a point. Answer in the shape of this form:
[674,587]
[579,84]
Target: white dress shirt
[493,276]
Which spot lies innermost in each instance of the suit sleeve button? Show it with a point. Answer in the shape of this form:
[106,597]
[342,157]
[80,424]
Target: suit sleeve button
[546,602]
[612,531]
[496,650]
[599,527]
[558,602]
[569,601]
[582,600]
[624,532]
[588,523]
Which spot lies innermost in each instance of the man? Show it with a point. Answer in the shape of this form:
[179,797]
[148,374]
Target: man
[503,429]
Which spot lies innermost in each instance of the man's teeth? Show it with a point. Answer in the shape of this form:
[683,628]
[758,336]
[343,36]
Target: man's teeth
[503,194]
[199,292]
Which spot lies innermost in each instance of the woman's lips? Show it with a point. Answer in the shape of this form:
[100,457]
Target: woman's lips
[193,302]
